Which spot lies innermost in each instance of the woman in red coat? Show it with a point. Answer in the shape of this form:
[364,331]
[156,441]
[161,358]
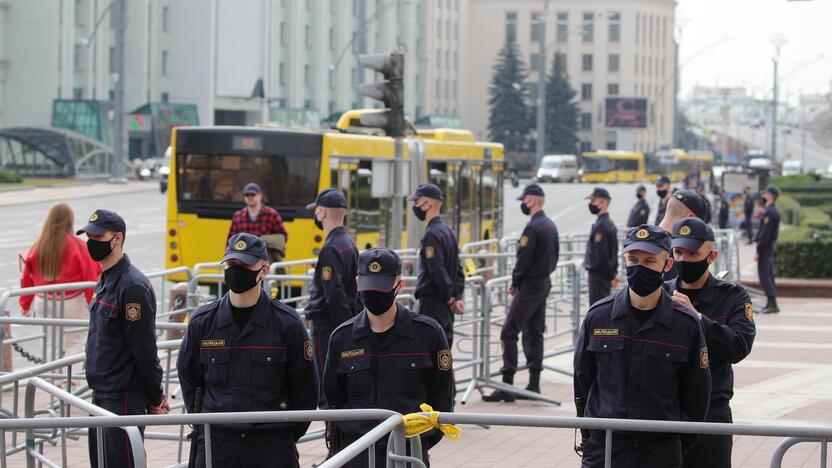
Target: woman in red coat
[59,257]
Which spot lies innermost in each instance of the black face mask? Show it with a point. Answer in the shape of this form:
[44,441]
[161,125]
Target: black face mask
[639,195]
[99,250]
[319,224]
[594,209]
[643,280]
[378,302]
[661,193]
[525,209]
[690,272]
[420,213]
[240,279]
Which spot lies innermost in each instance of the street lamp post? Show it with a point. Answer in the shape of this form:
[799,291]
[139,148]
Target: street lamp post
[778,42]
[116,168]
[541,85]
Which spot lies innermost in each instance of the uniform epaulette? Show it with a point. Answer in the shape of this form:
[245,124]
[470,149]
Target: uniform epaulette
[285,308]
[345,324]
[205,308]
[686,311]
[600,302]
[429,321]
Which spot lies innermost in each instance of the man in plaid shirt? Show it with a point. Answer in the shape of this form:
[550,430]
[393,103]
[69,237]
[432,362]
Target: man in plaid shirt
[256,218]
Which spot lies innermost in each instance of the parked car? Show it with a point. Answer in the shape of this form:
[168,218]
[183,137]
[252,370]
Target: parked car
[558,168]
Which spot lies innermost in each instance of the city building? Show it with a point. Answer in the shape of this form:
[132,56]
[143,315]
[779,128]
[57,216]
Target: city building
[611,48]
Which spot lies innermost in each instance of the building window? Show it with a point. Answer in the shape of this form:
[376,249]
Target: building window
[456,30]
[447,59]
[586,92]
[563,27]
[534,62]
[307,75]
[612,89]
[112,57]
[284,34]
[536,26]
[76,57]
[165,97]
[610,145]
[439,28]
[331,107]
[438,58]
[165,63]
[589,27]
[613,63]
[308,104]
[456,60]
[282,74]
[511,26]
[332,79]
[307,33]
[77,93]
[438,89]
[448,29]
[586,146]
[586,62]
[560,61]
[615,27]
[331,38]
[166,19]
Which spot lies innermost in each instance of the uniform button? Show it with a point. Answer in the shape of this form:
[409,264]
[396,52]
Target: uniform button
[243,435]
[412,364]
[605,346]
[268,359]
[352,367]
[666,354]
[213,359]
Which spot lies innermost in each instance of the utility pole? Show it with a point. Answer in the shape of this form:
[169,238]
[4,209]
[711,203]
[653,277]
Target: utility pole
[120,149]
[541,85]
[778,42]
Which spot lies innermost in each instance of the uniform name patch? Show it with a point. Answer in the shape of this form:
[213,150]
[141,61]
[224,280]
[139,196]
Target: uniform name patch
[765,219]
[444,360]
[703,358]
[749,312]
[605,332]
[352,353]
[326,273]
[307,350]
[599,237]
[642,212]
[524,241]
[133,311]
[430,252]
[212,343]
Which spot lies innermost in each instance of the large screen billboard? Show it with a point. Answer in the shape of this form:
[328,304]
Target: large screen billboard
[626,112]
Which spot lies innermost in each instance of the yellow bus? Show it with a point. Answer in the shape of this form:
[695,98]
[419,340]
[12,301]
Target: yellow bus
[210,165]
[607,166]
[668,162]
[706,164]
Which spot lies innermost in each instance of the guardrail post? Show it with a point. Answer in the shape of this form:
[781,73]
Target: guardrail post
[608,449]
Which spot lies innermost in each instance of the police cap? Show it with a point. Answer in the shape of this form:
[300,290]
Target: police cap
[532,189]
[599,192]
[329,198]
[102,221]
[649,238]
[246,248]
[691,233]
[662,180]
[429,191]
[773,190]
[693,201]
[378,269]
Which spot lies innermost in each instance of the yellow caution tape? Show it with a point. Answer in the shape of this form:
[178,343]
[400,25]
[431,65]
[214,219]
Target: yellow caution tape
[418,423]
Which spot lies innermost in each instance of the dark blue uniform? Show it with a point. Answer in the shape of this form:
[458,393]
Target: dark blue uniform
[409,366]
[266,366]
[333,296]
[655,371]
[639,213]
[728,322]
[723,212]
[748,211]
[122,365]
[660,211]
[766,237]
[537,258]
[440,275]
[601,257]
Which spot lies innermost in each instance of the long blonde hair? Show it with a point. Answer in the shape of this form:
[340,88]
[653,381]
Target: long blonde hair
[52,241]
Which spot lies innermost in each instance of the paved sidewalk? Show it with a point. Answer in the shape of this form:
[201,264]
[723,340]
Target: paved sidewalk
[79,190]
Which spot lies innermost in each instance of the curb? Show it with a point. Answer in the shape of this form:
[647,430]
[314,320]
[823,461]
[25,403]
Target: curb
[795,287]
[62,196]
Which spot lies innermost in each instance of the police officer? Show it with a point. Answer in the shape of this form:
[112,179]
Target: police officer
[386,357]
[641,210]
[122,365]
[601,256]
[728,321]
[640,355]
[663,191]
[333,297]
[748,211]
[537,257]
[441,282]
[766,237]
[248,352]
[682,204]
[723,210]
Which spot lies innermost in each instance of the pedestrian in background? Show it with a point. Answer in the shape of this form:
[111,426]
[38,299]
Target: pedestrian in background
[57,256]
[748,211]
[766,238]
[262,221]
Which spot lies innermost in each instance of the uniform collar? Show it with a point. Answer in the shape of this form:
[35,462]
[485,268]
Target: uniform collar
[603,215]
[337,231]
[706,292]
[661,314]
[435,220]
[119,267]
[402,327]
[538,214]
[259,317]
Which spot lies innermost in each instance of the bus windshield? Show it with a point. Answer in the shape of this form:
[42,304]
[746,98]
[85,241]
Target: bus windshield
[286,180]
[596,164]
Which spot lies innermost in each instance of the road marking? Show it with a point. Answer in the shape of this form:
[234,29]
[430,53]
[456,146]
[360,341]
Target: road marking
[791,345]
[797,328]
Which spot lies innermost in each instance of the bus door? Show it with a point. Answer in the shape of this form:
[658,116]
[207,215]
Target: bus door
[444,175]
[366,220]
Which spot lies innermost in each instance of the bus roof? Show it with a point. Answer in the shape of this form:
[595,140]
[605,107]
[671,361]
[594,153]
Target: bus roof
[613,154]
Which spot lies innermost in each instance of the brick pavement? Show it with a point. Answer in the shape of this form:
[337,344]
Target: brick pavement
[787,379]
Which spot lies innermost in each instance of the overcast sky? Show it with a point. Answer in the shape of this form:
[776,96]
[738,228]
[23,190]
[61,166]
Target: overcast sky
[744,58]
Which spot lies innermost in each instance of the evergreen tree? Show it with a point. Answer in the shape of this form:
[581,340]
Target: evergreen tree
[561,111]
[510,120]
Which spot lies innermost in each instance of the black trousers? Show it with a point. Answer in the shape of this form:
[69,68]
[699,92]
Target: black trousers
[765,270]
[254,450]
[526,314]
[710,451]
[117,449]
[634,451]
[321,330]
[599,286]
[440,311]
[749,227]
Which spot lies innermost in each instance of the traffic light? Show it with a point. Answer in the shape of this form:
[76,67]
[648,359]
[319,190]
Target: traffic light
[390,92]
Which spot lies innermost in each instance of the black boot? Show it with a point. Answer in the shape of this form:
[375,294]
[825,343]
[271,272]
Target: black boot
[771,307]
[533,386]
[499,395]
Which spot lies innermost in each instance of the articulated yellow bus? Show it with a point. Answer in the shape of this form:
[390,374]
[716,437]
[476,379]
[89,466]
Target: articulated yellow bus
[210,165]
[607,166]
[670,163]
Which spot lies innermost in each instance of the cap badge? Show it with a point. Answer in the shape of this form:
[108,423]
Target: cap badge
[679,196]
[684,230]
[642,234]
[94,217]
[240,245]
[374,267]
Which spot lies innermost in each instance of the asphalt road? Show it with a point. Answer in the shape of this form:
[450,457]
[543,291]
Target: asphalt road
[788,146]
[144,213]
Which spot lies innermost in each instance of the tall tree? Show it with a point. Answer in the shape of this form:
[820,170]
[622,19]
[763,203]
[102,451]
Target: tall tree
[510,120]
[561,111]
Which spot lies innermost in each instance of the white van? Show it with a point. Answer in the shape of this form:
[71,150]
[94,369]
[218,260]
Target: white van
[558,168]
[792,167]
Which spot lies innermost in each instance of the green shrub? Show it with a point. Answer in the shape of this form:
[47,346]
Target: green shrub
[790,211]
[816,219]
[812,198]
[7,177]
[798,255]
